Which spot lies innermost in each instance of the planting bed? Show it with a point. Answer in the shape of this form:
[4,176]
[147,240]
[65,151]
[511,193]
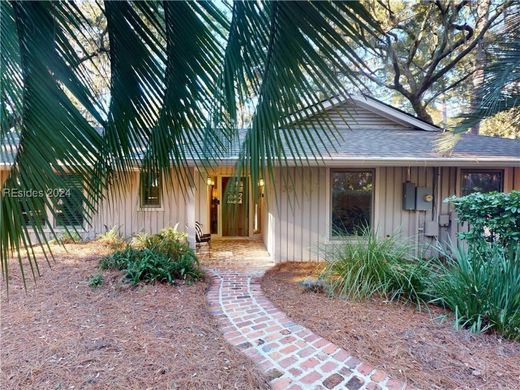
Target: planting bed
[63,334]
[422,348]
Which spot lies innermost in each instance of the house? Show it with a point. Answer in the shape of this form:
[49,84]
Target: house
[381,169]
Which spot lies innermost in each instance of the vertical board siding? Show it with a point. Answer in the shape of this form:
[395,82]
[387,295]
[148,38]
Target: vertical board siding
[121,208]
[298,221]
[298,216]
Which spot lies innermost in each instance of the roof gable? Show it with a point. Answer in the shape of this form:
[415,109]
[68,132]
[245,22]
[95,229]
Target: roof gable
[361,112]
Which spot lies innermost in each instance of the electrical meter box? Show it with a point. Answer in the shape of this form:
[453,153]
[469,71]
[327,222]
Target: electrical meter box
[408,196]
[423,198]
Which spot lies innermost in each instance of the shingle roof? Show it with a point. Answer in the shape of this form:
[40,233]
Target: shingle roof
[373,141]
[414,144]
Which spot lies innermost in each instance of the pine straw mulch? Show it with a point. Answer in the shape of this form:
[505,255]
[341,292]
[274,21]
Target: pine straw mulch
[408,344]
[62,334]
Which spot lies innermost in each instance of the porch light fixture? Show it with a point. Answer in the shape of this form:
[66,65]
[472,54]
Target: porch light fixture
[261,182]
[210,182]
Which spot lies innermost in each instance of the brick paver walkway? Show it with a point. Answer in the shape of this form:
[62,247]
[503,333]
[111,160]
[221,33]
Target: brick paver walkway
[291,355]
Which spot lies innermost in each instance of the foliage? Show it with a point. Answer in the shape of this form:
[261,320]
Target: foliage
[492,217]
[368,265]
[68,237]
[178,73]
[483,290]
[505,124]
[500,91]
[152,266]
[111,238]
[119,259]
[161,257]
[96,280]
[431,49]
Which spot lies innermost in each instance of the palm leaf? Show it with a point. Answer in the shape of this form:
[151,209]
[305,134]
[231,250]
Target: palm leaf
[54,138]
[500,90]
[181,72]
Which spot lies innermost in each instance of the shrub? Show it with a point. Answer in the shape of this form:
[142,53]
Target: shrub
[96,280]
[119,260]
[67,237]
[145,240]
[111,238]
[152,266]
[161,257]
[369,265]
[483,290]
[492,217]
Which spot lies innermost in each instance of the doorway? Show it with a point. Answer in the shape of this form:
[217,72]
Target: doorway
[235,207]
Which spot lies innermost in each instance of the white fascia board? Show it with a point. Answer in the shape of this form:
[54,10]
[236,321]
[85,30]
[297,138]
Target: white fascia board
[393,113]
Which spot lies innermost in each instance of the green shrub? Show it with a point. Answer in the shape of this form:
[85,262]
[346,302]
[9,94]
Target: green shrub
[152,266]
[111,238]
[368,265]
[482,290]
[161,257]
[96,280]
[145,240]
[120,259]
[493,218]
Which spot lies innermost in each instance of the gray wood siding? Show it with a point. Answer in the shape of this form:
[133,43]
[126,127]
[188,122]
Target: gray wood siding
[299,215]
[347,115]
[122,209]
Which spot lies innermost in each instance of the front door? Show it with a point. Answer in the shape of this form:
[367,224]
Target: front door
[235,207]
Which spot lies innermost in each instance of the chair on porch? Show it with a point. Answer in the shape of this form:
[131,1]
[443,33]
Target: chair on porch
[200,237]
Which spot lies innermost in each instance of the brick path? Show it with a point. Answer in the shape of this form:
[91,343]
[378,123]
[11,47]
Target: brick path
[291,355]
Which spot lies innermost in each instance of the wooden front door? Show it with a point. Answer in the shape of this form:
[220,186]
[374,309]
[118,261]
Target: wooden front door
[235,207]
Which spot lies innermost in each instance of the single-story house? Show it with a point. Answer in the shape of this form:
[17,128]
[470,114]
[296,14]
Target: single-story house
[382,169]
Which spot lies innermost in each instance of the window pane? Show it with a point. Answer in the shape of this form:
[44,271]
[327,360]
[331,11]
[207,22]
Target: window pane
[351,202]
[70,203]
[150,191]
[473,181]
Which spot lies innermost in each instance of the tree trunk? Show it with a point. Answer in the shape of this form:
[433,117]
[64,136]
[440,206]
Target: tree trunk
[480,60]
[420,109]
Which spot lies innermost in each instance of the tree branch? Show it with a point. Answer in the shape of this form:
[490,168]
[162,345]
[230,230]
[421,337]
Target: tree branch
[470,47]
[451,86]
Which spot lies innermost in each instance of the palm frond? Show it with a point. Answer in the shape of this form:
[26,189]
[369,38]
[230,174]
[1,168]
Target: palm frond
[500,90]
[180,74]
[54,138]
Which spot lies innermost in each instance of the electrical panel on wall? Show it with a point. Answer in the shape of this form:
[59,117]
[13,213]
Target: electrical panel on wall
[408,196]
[423,198]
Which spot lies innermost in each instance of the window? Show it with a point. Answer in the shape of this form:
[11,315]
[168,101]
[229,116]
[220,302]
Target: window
[351,201]
[34,212]
[481,181]
[150,190]
[69,211]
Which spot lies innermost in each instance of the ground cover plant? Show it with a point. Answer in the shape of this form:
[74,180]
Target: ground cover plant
[479,282]
[482,289]
[163,257]
[369,265]
[111,238]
